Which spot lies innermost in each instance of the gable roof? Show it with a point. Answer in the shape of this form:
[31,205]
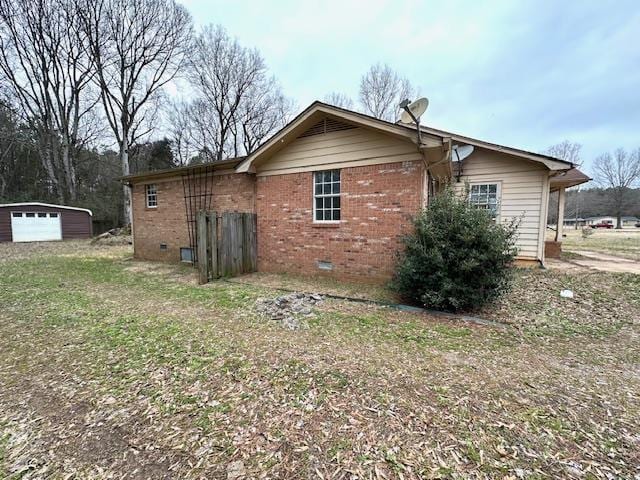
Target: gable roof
[318,110]
[197,168]
[550,162]
[433,137]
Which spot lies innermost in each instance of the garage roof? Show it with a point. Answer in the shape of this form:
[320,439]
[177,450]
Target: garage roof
[39,204]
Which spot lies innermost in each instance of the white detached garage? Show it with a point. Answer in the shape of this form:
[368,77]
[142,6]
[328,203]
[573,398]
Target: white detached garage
[42,222]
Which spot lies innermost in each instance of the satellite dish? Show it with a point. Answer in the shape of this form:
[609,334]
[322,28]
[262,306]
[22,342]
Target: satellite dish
[417,108]
[462,151]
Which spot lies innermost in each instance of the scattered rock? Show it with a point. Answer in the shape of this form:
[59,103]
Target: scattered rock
[290,309]
[236,470]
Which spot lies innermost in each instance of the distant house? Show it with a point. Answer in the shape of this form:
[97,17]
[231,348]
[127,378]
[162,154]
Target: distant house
[575,222]
[334,192]
[627,221]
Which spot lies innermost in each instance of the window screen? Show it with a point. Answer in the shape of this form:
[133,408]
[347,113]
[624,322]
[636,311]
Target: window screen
[326,196]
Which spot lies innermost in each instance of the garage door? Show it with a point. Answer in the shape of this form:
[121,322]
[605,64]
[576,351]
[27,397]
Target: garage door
[35,226]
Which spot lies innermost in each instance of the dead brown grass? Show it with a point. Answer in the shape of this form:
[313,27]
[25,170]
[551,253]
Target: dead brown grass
[120,369]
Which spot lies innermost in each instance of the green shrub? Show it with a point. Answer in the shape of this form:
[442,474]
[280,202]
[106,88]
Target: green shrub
[457,258]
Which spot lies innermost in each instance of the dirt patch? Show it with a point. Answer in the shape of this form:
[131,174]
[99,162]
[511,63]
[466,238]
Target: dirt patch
[319,284]
[605,262]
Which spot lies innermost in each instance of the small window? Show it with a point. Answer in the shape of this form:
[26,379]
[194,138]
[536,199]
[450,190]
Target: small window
[17,214]
[485,196]
[152,195]
[53,215]
[186,255]
[42,215]
[326,196]
[30,215]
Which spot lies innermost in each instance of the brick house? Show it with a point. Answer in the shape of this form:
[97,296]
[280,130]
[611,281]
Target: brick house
[334,192]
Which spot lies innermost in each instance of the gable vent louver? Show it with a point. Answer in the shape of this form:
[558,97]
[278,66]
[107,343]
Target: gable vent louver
[326,125]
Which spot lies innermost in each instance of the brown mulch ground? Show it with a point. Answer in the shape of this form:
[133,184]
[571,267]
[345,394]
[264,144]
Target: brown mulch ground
[120,369]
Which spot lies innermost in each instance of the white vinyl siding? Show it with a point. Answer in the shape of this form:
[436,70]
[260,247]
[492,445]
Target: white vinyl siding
[347,148]
[523,192]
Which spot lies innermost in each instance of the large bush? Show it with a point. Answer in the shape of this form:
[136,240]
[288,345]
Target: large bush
[457,258]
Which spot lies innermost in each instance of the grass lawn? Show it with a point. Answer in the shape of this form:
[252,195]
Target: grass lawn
[624,243]
[113,368]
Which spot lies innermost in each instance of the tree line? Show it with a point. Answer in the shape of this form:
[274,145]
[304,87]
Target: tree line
[86,84]
[83,86]
[616,176]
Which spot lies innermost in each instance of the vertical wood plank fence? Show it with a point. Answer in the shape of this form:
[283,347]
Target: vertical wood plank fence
[226,244]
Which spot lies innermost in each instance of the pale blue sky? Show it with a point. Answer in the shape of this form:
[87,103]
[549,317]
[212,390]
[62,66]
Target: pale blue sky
[522,73]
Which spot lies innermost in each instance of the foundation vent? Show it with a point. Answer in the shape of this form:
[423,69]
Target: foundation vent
[325,265]
[326,125]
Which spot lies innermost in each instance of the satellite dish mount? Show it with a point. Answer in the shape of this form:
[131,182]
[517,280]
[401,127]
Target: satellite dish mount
[412,112]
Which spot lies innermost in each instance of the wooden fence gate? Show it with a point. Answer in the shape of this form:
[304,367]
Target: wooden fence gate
[226,244]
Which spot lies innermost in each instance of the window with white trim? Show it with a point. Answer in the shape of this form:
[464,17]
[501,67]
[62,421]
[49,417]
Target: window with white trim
[152,195]
[485,196]
[326,196]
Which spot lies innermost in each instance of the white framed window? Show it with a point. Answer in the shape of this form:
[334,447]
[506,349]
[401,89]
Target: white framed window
[326,196]
[151,191]
[485,196]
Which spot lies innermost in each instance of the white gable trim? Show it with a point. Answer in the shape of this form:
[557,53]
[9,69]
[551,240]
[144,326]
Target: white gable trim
[38,204]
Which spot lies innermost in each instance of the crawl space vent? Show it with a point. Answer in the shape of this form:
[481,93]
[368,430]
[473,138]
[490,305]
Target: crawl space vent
[325,265]
[326,125]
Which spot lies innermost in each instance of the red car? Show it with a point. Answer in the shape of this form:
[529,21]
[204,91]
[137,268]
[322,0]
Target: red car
[602,225]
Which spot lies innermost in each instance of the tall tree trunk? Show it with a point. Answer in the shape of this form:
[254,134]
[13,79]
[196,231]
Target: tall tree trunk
[126,192]
[69,172]
[46,157]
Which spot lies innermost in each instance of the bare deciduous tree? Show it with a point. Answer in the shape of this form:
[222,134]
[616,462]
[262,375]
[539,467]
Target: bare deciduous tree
[570,152]
[566,150]
[382,90]
[44,62]
[179,125]
[237,104]
[262,112]
[222,73]
[339,100]
[138,46]
[618,172]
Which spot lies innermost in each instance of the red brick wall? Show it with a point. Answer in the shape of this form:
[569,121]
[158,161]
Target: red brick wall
[377,203]
[167,222]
